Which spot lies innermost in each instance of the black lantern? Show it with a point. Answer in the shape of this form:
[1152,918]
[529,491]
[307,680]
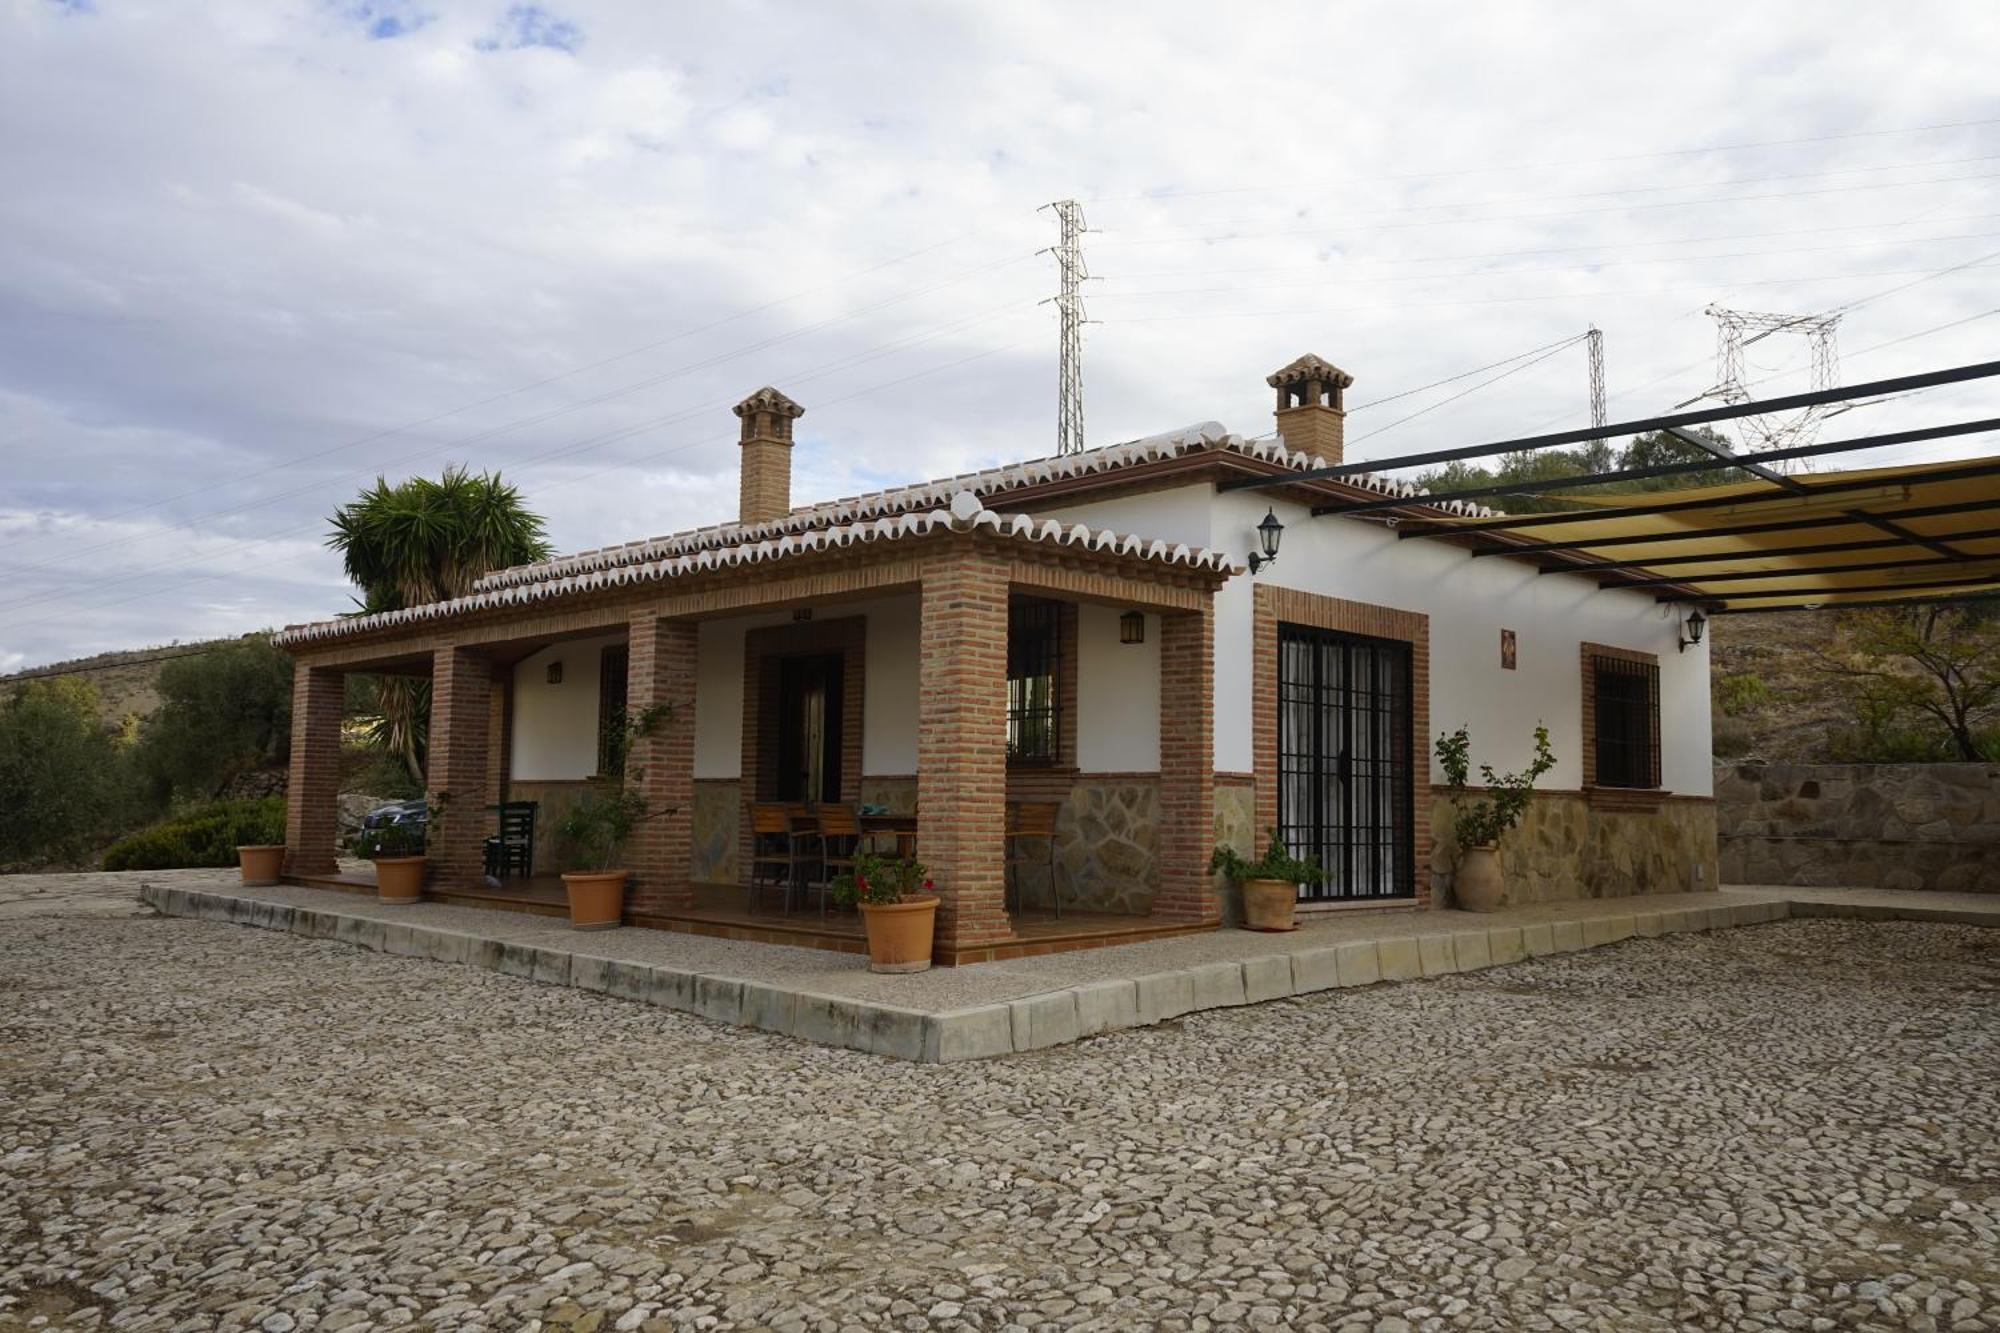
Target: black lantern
[1695,624]
[1132,627]
[1269,533]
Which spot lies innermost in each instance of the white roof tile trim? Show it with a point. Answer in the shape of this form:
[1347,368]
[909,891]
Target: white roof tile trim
[965,514]
[932,494]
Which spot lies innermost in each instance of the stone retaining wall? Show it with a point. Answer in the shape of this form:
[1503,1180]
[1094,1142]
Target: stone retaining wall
[1870,826]
[1570,846]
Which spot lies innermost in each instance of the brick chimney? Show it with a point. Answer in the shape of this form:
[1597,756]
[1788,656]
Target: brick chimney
[1312,408]
[766,483]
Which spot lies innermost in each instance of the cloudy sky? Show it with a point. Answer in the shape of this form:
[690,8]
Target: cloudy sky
[255,252]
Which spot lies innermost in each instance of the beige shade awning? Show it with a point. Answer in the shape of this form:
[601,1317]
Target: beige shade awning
[1919,531]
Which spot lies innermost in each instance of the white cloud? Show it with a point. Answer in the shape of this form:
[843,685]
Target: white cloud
[259,237]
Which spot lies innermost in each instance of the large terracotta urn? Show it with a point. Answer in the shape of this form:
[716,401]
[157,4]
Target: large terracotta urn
[1270,904]
[1478,885]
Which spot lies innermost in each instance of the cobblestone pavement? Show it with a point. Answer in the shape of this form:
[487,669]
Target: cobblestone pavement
[1786,1126]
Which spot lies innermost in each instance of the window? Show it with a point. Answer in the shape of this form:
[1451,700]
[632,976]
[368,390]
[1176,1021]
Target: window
[612,667]
[1034,666]
[1624,694]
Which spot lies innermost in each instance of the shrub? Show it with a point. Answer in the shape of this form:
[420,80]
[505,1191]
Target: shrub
[206,836]
[1740,692]
[64,781]
[222,713]
[1732,739]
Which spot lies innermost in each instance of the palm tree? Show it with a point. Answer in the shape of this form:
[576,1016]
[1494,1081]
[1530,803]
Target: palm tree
[427,541]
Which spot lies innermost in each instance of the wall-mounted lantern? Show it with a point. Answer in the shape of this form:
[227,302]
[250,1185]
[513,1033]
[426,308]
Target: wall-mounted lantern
[1132,627]
[1269,533]
[1692,629]
[555,673]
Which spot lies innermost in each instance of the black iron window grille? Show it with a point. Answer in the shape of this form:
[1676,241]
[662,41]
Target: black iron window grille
[613,666]
[1626,697]
[1344,782]
[1034,659]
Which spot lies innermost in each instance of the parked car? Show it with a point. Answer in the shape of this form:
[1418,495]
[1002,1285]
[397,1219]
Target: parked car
[412,815]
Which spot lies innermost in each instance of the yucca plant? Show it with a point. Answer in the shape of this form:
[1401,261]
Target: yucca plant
[427,541]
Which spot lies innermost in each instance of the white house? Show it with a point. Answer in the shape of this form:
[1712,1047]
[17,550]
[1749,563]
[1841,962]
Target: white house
[1100,633]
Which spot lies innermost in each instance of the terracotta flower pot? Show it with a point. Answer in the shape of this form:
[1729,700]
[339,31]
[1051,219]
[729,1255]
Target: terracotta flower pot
[1478,885]
[262,863]
[899,934]
[399,879]
[1270,904]
[596,898]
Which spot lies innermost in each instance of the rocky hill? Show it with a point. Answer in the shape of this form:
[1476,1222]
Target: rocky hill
[126,681]
[1772,700]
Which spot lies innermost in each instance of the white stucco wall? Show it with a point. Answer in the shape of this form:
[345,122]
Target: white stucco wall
[1117,694]
[1468,601]
[555,726]
[889,691]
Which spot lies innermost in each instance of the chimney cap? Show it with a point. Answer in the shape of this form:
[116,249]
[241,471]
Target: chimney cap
[768,399]
[1307,369]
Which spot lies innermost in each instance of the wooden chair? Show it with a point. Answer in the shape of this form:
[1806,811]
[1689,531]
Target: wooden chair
[512,851]
[777,855]
[840,834]
[1033,821]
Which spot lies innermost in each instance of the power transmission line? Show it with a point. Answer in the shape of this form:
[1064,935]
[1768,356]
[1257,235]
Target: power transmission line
[652,381]
[610,437]
[1515,168]
[1348,225]
[711,326]
[1731,183]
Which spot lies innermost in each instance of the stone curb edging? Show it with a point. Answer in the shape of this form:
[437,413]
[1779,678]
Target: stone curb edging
[1034,1022]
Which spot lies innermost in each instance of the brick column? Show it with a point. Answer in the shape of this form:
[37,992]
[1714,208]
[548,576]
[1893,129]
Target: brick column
[962,745]
[661,670]
[461,718]
[312,793]
[1187,766]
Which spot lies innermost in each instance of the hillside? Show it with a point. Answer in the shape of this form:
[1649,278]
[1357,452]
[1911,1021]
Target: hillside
[1791,711]
[126,681]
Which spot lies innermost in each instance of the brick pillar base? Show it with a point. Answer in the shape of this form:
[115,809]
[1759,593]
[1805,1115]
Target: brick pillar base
[962,746]
[661,766]
[312,793]
[1187,767]
[461,717]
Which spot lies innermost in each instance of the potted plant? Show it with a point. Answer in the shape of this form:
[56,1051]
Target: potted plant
[1478,883]
[397,849]
[1269,884]
[261,863]
[591,834]
[898,910]
[589,837]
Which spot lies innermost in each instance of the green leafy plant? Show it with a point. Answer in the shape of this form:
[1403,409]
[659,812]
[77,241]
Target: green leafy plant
[591,833]
[881,880]
[64,778]
[1740,692]
[390,840]
[206,836]
[1277,862]
[427,541]
[223,713]
[1481,823]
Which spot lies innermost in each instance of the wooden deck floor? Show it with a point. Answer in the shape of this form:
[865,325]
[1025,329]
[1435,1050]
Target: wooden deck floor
[725,912]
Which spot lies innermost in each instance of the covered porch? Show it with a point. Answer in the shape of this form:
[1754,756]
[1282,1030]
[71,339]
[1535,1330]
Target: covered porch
[944,677]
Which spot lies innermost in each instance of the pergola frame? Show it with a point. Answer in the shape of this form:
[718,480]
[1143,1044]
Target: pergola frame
[1880,499]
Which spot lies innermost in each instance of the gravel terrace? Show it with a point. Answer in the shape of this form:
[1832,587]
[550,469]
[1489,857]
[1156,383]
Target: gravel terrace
[1787,1126]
